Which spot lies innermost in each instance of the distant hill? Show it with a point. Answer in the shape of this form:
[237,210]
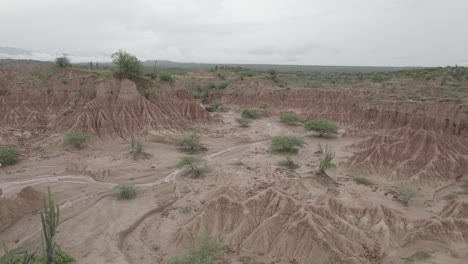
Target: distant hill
[263,67]
[9,63]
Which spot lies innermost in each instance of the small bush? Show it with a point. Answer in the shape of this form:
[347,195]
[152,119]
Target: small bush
[190,143]
[8,156]
[126,192]
[417,257]
[455,95]
[203,251]
[62,62]
[222,85]
[288,163]
[362,181]
[137,149]
[291,118]
[164,77]
[325,162]
[451,196]
[250,114]
[323,127]
[243,122]
[217,107]
[264,106]
[286,144]
[406,194]
[194,163]
[76,139]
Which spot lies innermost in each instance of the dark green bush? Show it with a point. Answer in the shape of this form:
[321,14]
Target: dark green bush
[164,77]
[128,66]
[8,156]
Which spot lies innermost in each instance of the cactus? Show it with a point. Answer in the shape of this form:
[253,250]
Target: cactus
[50,220]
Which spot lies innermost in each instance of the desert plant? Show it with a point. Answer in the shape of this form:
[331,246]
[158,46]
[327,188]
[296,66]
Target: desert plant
[164,77]
[50,219]
[288,163]
[76,139]
[222,85]
[62,62]
[246,113]
[136,148]
[451,196]
[217,106]
[8,156]
[128,66]
[264,106]
[291,118]
[325,162]
[243,122]
[286,144]
[194,163]
[190,143]
[406,194]
[203,251]
[323,127]
[362,181]
[417,257]
[126,192]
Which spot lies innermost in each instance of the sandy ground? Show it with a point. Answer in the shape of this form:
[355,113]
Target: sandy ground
[97,228]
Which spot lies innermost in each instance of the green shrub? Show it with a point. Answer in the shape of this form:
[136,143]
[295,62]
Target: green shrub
[76,139]
[164,77]
[62,62]
[362,181]
[250,114]
[291,118]
[194,163]
[406,194]
[455,95]
[222,85]
[451,196]
[325,162]
[243,122]
[288,163]
[128,66]
[203,251]
[8,156]
[217,106]
[126,192]
[190,143]
[418,257]
[286,144]
[323,127]
[264,106]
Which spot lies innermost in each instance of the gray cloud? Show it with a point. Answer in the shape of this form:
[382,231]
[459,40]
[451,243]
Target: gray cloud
[327,32]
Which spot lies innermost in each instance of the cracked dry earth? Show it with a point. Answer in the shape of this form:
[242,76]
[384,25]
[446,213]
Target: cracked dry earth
[263,212]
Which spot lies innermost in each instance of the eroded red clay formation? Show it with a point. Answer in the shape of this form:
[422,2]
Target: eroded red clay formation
[274,223]
[425,143]
[27,202]
[71,99]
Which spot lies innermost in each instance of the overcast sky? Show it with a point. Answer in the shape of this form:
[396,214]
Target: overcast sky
[316,32]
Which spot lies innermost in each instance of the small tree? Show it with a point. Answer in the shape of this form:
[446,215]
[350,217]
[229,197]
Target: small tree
[126,192]
[62,62]
[128,66]
[8,156]
[325,162]
[190,143]
[250,114]
[323,127]
[406,194]
[194,163]
[291,118]
[286,144]
[243,122]
[164,77]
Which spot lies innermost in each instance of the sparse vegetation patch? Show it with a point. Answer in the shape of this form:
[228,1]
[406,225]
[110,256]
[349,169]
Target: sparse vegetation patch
[203,251]
[126,192]
[8,156]
[323,127]
[286,144]
[253,114]
[76,139]
[291,119]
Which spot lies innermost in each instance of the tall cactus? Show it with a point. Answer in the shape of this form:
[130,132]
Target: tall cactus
[50,219]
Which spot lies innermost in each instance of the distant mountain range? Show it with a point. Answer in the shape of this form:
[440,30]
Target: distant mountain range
[8,55]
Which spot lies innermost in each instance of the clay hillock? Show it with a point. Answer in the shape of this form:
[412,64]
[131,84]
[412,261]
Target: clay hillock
[278,225]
